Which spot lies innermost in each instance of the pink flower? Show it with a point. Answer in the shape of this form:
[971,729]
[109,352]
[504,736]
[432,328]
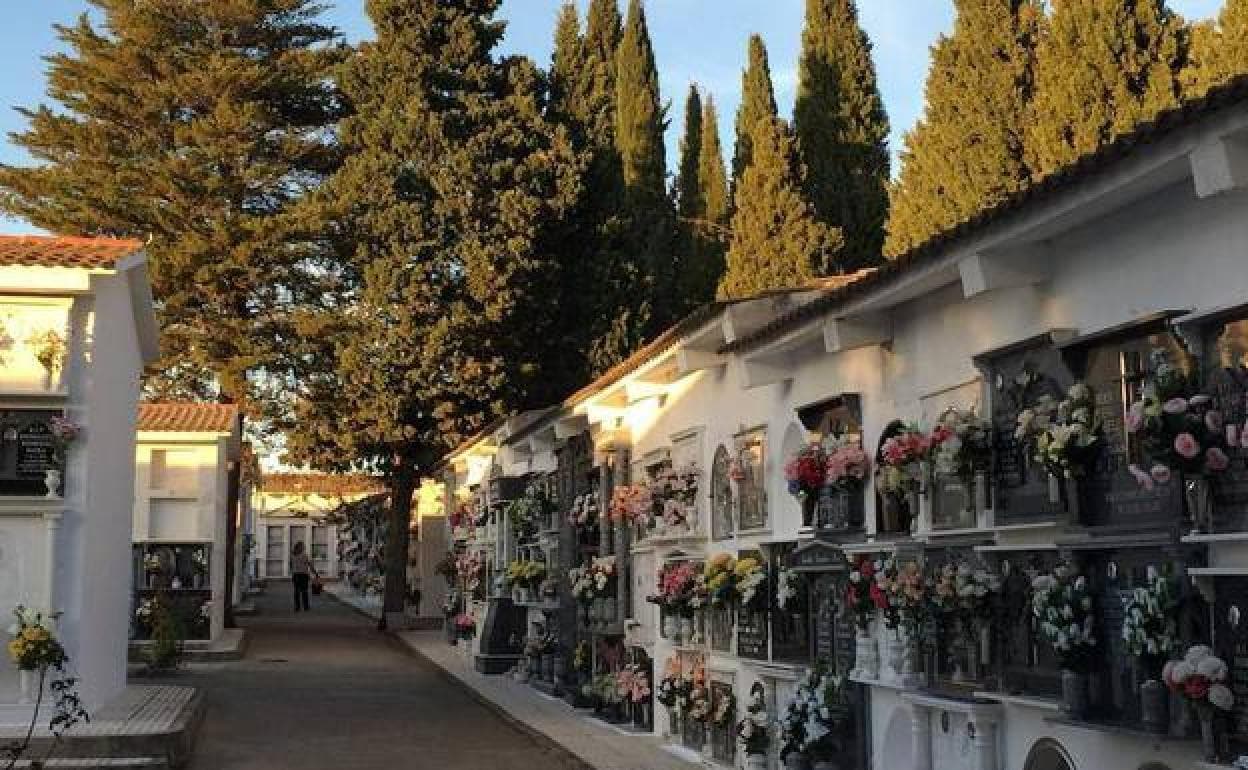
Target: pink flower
[1142,478]
[1160,473]
[1135,417]
[1176,405]
[1213,421]
[1232,436]
[1186,445]
[1217,460]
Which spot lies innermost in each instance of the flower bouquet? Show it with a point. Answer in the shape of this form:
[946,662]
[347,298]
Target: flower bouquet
[883,592]
[632,504]
[899,467]
[788,589]
[681,591]
[584,513]
[469,567]
[1063,436]
[466,625]
[750,577]
[1200,679]
[806,471]
[814,723]
[961,443]
[754,729]
[719,574]
[1062,607]
[1149,628]
[673,689]
[847,466]
[858,593]
[1181,432]
[675,490]
[583,586]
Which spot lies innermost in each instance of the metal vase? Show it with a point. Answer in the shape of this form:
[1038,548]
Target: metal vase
[1055,490]
[1155,706]
[1208,738]
[795,760]
[1074,694]
[1199,497]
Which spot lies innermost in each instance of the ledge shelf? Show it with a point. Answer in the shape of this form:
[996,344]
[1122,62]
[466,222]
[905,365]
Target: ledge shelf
[1029,701]
[1197,572]
[1113,728]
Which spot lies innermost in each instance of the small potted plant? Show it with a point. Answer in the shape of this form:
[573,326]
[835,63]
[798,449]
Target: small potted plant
[754,729]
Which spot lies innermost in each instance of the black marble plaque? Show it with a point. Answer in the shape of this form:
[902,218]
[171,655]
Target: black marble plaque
[1019,378]
[952,503]
[832,631]
[723,737]
[752,634]
[26,450]
[1226,379]
[719,623]
[1110,495]
[1231,642]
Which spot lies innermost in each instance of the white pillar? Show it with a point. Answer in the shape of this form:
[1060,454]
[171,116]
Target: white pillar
[52,528]
[921,736]
[985,745]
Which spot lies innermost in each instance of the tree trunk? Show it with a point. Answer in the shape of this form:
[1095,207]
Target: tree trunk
[402,486]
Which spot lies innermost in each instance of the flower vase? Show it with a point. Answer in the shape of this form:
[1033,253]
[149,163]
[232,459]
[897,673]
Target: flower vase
[897,658]
[756,762]
[176,584]
[983,500]
[1072,500]
[795,760]
[1055,490]
[1155,706]
[809,503]
[1074,694]
[1208,738]
[1199,499]
[28,681]
[671,628]
[52,481]
[596,612]
[866,657]
[890,513]
[686,631]
[608,610]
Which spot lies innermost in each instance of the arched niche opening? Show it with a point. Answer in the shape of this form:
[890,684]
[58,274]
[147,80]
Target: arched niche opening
[1048,754]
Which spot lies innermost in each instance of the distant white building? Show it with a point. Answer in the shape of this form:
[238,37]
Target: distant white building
[181,509]
[292,507]
[76,330]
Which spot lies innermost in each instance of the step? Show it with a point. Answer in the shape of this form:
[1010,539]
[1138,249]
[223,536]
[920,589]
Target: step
[99,763]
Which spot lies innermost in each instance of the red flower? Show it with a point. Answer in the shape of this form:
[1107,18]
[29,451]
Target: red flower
[877,596]
[851,596]
[1196,687]
[867,569]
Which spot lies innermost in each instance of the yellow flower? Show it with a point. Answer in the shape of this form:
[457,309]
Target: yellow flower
[746,566]
[16,649]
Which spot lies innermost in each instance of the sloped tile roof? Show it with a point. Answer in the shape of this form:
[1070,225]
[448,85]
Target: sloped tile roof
[324,484]
[188,417]
[65,251]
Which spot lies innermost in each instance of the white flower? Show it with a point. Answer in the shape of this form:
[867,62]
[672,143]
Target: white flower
[1181,672]
[1197,653]
[1212,668]
[1220,696]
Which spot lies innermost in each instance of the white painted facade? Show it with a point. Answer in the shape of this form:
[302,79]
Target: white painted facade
[181,497]
[72,555]
[1165,228]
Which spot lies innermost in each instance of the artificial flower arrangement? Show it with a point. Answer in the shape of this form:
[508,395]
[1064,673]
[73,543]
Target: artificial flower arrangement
[633,684]
[34,646]
[883,593]
[584,513]
[1149,628]
[446,568]
[1063,436]
[462,520]
[50,349]
[814,721]
[807,471]
[469,567]
[961,443]
[699,697]
[1200,679]
[858,593]
[719,574]
[64,433]
[1180,429]
[673,690]
[602,572]
[525,572]
[583,585]
[909,594]
[788,588]
[847,465]
[724,710]
[681,590]
[152,564]
[145,612]
[530,511]
[754,729]
[581,657]
[1062,606]
[750,579]
[675,490]
[199,561]
[899,468]
[632,504]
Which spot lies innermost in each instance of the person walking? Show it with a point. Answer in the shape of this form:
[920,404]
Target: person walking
[301,573]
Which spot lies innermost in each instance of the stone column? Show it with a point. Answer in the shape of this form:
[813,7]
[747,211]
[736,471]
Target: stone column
[52,524]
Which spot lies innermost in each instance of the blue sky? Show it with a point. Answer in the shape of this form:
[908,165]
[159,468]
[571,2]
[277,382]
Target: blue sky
[700,41]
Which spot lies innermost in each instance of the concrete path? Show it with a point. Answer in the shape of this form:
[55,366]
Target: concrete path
[325,691]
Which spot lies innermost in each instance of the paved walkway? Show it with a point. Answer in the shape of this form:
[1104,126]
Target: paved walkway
[325,691]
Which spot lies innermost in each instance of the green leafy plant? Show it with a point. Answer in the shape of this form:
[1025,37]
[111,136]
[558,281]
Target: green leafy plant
[166,650]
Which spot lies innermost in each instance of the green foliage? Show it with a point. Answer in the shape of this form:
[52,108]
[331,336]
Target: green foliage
[966,154]
[640,119]
[758,103]
[447,205]
[1102,66]
[701,201]
[688,180]
[712,182]
[777,241]
[1219,51]
[196,126]
[843,132]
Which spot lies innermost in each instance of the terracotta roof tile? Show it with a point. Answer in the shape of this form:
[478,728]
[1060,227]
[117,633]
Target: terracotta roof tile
[188,417]
[65,251]
[325,484]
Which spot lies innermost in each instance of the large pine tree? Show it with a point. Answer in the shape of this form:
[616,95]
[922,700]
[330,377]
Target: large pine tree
[966,154]
[1219,50]
[446,203]
[197,127]
[758,103]
[843,131]
[1102,66]
[777,240]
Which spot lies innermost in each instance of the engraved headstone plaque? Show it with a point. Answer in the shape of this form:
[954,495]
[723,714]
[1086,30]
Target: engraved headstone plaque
[1226,379]
[27,451]
[1230,639]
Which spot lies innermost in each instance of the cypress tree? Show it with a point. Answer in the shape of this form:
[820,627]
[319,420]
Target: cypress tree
[197,127]
[966,154]
[446,202]
[758,102]
[1219,51]
[843,131]
[1102,66]
[640,120]
[712,182]
[688,181]
[567,68]
[777,240]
